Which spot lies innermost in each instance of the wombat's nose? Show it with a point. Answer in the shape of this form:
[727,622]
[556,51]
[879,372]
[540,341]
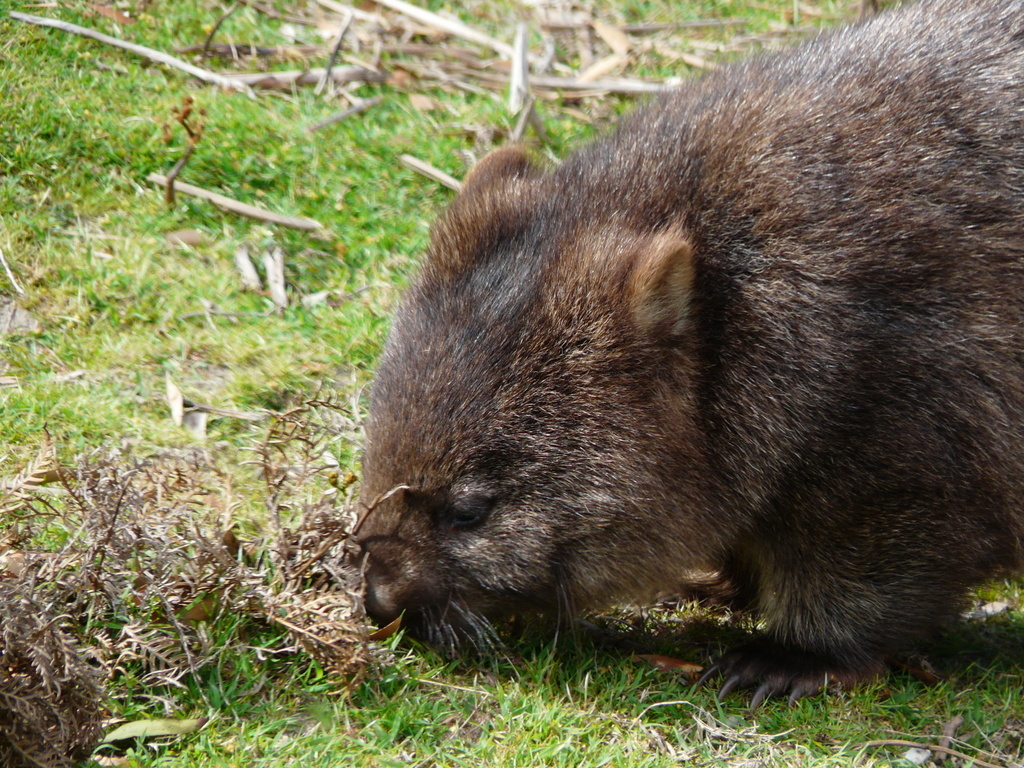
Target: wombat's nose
[380,602]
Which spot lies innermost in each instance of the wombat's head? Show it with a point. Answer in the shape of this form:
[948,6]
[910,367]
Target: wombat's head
[527,436]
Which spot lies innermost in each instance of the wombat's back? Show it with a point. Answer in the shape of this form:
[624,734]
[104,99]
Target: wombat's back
[856,212]
[772,326]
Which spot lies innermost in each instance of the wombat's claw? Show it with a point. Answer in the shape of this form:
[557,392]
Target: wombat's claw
[709,671]
[777,670]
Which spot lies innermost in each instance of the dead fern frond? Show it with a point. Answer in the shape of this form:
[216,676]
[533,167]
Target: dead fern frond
[152,561]
[16,493]
[51,700]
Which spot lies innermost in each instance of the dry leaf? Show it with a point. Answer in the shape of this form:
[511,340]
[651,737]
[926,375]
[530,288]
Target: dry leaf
[14,319]
[185,237]
[111,13]
[988,609]
[250,277]
[144,729]
[109,761]
[176,400]
[599,69]
[422,103]
[925,676]
[386,631]
[273,265]
[617,40]
[670,664]
[12,562]
[693,60]
[316,299]
[70,375]
[400,78]
[201,610]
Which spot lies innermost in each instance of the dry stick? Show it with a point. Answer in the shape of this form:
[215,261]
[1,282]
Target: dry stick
[10,275]
[209,38]
[169,186]
[450,26]
[230,50]
[138,50]
[195,133]
[307,77]
[529,116]
[930,748]
[430,172]
[243,209]
[227,413]
[334,55]
[564,26]
[355,109]
[519,86]
[552,82]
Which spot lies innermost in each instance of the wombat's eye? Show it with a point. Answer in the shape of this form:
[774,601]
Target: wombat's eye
[469,510]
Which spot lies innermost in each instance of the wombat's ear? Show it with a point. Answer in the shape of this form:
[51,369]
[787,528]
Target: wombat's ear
[504,165]
[660,286]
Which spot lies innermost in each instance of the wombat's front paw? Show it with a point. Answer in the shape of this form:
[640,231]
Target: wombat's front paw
[776,669]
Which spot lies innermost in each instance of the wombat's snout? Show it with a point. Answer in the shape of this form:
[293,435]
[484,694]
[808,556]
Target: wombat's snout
[393,588]
[380,598]
[381,601]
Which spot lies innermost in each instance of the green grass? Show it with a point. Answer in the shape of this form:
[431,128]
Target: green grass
[81,127]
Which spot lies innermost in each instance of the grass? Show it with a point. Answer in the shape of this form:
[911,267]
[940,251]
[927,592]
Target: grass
[81,126]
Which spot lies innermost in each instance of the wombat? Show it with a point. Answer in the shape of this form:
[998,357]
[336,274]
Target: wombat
[772,327]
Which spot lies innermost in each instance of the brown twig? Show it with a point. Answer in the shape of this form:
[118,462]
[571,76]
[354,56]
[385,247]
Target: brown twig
[169,187]
[235,206]
[138,50]
[355,109]
[231,50]
[209,37]
[195,133]
[382,497]
[334,55]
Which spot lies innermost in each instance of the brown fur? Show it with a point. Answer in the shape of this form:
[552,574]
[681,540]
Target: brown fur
[772,327]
